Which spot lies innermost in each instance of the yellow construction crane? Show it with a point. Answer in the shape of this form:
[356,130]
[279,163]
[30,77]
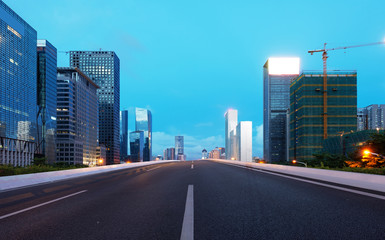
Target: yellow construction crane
[324,58]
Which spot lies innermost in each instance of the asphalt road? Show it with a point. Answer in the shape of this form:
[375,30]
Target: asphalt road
[209,201]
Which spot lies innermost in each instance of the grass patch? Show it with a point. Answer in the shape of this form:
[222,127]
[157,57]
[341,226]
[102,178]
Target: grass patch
[9,170]
[378,171]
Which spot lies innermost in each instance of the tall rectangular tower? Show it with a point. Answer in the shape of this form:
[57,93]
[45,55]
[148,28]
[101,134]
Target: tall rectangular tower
[77,113]
[103,67]
[46,99]
[245,141]
[231,121]
[123,134]
[179,146]
[143,122]
[306,111]
[18,102]
[277,75]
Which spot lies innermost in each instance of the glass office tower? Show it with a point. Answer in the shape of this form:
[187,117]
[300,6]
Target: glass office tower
[143,122]
[277,75]
[123,135]
[77,117]
[179,147]
[103,67]
[46,99]
[231,121]
[137,145]
[307,118]
[18,103]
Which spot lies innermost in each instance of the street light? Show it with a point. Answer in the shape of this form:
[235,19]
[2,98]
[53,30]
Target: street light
[295,161]
[367,152]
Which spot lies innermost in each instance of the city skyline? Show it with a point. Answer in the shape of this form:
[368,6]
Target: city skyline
[248,50]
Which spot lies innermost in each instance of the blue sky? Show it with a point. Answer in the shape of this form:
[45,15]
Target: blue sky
[189,61]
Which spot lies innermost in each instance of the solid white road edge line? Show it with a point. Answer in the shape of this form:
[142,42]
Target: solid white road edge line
[188,219]
[317,183]
[41,204]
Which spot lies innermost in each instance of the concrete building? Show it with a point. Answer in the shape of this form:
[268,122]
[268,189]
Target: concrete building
[234,148]
[103,67]
[46,99]
[18,101]
[77,117]
[311,120]
[143,122]
[123,135]
[245,141]
[137,146]
[371,117]
[215,154]
[231,121]
[170,154]
[277,75]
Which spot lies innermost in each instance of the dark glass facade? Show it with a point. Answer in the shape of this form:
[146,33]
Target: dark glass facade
[18,103]
[123,134]
[103,67]
[144,123]
[276,92]
[46,99]
[137,146]
[307,114]
[77,117]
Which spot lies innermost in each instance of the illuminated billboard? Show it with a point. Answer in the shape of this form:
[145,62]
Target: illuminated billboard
[283,66]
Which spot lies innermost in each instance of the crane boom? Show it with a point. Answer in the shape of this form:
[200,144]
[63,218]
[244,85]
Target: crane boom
[324,58]
[339,48]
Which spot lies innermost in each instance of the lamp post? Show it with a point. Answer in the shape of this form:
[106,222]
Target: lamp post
[295,161]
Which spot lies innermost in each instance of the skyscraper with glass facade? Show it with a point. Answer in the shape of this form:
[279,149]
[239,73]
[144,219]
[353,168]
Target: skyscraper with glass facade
[307,117]
[46,99]
[277,75]
[231,121]
[137,145]
[77,117]
[143,122]
[179,147]
[103,67]
[245,141]
[18,103]
[123,134]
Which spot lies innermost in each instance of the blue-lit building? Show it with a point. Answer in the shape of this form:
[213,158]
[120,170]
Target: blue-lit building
[137,145]
[46,99]
[18,103]
[144,123]
[123,135]
[77,118]
[103,67]
[277,76]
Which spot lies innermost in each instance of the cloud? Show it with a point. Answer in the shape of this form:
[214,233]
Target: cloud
[193,146]
[204,124]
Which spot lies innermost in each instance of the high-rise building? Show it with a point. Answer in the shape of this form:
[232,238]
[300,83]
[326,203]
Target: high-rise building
[234,148]
[245,141]
[46,99]
[170,154]
[179,147]
[312,121]
[371,117]
[277,75]
[77,117]
[123,135]
[103,67]
[18,103]
[137,145]
[231,121]
[143,122]
[204,154]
